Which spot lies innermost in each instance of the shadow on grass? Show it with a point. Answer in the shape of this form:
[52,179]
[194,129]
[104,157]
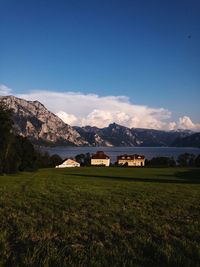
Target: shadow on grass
[192,176]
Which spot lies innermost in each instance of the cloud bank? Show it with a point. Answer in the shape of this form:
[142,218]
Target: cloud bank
[91,109]
[184,123]
[4,90]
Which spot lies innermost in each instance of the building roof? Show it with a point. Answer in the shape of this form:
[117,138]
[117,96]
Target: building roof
[130,157]
[69,161]
[100,155]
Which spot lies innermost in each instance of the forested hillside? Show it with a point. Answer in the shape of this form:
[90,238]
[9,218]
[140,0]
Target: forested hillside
[16,152]
[188,141]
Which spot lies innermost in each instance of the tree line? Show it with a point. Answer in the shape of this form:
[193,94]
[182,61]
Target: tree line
[17,153]
[183,160]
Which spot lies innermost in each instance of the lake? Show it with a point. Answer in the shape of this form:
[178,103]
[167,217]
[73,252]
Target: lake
[113,152]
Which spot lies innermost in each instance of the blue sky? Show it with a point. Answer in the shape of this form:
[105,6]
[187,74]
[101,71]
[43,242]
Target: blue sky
[148,51]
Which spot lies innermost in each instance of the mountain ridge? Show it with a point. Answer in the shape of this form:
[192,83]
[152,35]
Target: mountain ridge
[192,140]
[33,120]
[117,135]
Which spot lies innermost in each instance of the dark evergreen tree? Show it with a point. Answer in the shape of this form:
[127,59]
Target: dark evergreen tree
[83,159]
[161,162]
[54,160]
[7,155]
[26,153]
[80,158]
[197,161]
[186,159]
[42,159]
[16,152]
[191,161]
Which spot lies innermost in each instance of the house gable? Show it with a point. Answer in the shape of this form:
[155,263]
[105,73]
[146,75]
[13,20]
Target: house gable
[100,158]
[131,160]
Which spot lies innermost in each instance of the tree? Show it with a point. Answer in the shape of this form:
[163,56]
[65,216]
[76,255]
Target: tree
[26,152]
[16,152]
[161,162]
[6,139]
[12,159]
[191,162]
[55,160]
[186,159]
[42,159]
[80,158]
[83,159]
[197,161]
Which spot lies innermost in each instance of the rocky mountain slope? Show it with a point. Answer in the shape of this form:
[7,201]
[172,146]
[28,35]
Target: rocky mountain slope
[33,120]
[117,135]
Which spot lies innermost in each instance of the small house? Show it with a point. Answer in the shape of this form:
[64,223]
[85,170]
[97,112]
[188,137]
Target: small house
[100,158]
[68,163]
[131,160]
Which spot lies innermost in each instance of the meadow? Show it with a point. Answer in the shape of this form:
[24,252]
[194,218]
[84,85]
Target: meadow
[101,217]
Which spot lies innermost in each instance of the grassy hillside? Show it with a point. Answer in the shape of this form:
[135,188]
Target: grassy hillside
[100,217]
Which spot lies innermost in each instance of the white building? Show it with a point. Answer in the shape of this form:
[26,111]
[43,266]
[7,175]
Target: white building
[131,160]
[68,163]
[100,159]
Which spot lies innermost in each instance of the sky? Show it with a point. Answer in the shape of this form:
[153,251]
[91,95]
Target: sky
[136,63]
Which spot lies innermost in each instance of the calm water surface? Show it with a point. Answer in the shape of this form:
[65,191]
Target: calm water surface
[113,152]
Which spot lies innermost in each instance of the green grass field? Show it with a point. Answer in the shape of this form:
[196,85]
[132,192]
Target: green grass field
[101,217]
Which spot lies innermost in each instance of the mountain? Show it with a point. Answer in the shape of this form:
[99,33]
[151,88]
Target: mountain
[113,135]
[33,120]
[188,141]
[117,135]
[151,137]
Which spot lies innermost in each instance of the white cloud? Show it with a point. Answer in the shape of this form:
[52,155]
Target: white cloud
[185,122]
[100,118]
[80,109]
[91,109]
[4,90]
[67,118]
[172,126]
